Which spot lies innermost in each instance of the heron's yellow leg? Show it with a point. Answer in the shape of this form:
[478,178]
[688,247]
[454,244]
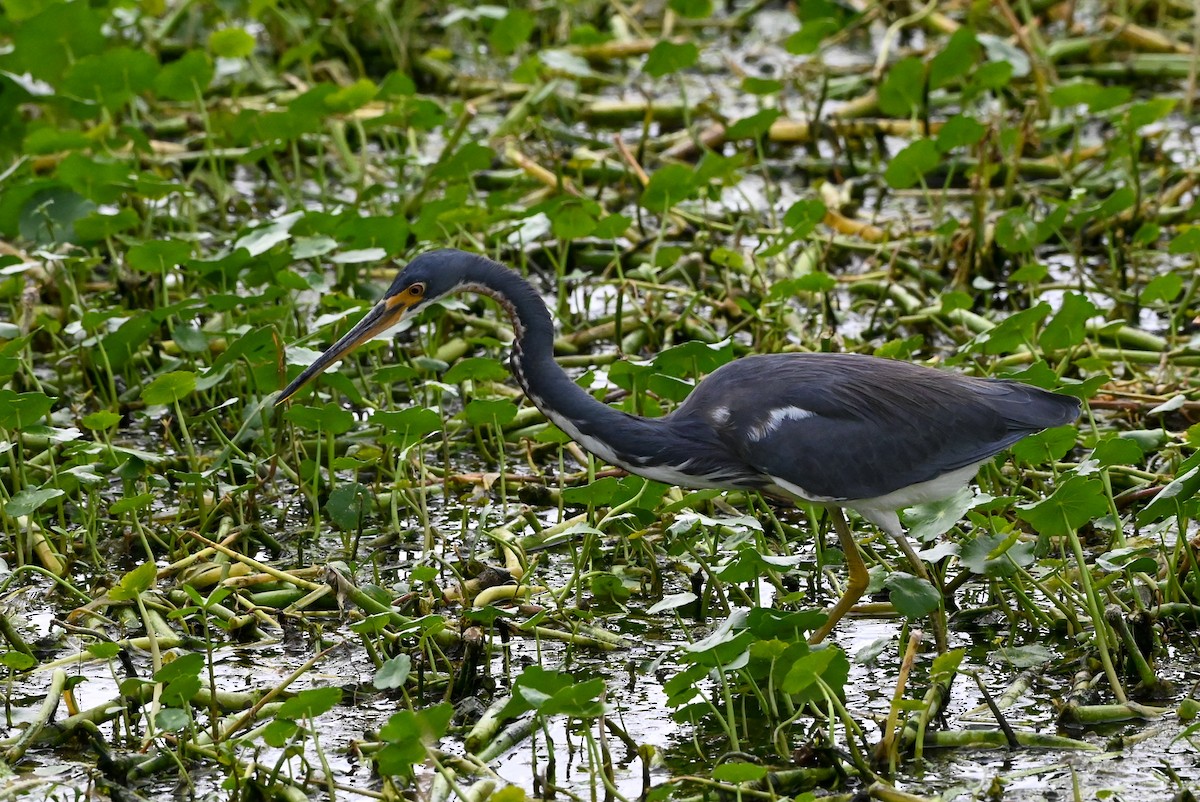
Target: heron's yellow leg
[856,582]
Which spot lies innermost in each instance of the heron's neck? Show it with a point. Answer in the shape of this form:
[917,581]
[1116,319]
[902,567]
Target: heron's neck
[614,436]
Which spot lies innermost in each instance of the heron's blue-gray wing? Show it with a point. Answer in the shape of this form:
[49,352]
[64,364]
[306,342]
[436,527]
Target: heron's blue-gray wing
[842,426]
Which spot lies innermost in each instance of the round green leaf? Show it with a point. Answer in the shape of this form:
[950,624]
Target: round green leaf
[346,506]
[28,502]
[739,772]
[101,419]
[668,185]
[1074,503]
[17,661]
[279,732]
[231,43]
[668,57]
[171,719]
[909,166]
[186,78]
[393,673]
[169,388]
[310,703]
[903,87]
[912,596]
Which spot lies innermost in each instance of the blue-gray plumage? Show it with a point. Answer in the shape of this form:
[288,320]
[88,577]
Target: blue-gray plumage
[852,427]
[841,430]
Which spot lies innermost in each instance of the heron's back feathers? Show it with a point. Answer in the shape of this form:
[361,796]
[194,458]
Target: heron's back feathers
[845,426]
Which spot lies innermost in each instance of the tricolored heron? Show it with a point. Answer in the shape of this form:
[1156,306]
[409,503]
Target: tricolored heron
[839,430]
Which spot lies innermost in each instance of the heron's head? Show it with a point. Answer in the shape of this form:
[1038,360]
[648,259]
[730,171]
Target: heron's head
[425,279]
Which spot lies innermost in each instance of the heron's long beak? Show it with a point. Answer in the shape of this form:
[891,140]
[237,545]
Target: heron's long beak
[382,316]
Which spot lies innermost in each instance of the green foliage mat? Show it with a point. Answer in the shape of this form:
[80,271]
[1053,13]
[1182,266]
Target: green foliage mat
[409,583]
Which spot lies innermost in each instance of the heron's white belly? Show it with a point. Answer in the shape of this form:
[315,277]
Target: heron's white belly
[935,489]
[881,510]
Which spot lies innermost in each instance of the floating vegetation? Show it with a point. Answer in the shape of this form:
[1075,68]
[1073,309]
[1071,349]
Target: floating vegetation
[408,582]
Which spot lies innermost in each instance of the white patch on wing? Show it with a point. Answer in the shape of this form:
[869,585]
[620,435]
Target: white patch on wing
[776,419]
[720,415]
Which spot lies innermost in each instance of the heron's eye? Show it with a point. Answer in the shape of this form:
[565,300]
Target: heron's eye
[416,290]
